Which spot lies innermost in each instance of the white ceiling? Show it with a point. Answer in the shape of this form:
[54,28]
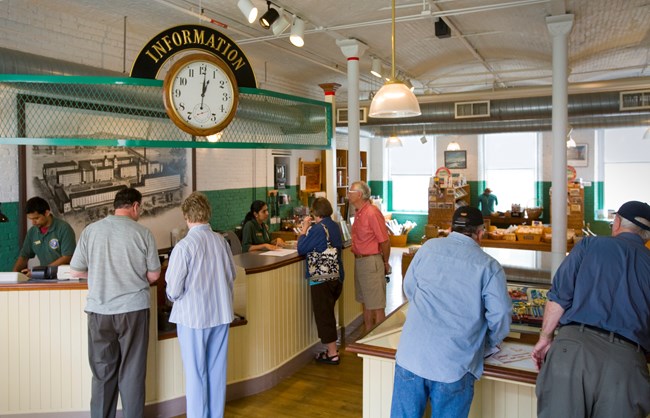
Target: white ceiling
[495,45]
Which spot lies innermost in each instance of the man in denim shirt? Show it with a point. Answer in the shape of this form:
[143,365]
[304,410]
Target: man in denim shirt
[459,310]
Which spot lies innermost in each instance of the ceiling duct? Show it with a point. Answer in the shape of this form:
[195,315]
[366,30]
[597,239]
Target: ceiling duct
[586,110]
[18,62]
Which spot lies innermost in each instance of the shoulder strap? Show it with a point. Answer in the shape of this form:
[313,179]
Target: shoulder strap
[327,234]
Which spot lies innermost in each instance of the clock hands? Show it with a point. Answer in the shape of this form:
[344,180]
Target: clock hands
[203,89]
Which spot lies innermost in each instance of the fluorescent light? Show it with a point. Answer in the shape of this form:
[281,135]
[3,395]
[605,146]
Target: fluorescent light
[297,32]
[248,10]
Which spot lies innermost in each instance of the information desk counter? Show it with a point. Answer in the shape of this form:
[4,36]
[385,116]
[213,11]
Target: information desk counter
[43,340]
[507,387]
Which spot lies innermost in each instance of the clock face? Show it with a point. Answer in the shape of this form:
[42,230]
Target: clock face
[201,94]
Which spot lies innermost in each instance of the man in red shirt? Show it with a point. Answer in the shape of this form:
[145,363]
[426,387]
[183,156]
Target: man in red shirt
[371,249]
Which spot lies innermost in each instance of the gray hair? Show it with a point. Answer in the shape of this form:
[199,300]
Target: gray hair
[363,188]
[625,224]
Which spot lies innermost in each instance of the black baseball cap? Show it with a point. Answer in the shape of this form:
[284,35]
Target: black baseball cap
[467,216]
[636,212]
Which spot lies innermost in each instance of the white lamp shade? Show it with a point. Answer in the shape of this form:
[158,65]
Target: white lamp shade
[453,146]
[376,67]
[248,10]
[394,100]
[280,25]
[393,142]
[297,32]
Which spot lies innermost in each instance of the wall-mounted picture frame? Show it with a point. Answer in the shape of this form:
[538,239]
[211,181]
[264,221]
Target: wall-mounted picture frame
[456,159]
[578,156]
[80,183]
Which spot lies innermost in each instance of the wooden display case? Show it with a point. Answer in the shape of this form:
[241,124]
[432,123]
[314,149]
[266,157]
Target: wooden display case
[443,202]
[575,207]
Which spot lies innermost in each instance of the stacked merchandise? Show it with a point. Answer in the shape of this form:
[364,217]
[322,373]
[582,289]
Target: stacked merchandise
[446,194]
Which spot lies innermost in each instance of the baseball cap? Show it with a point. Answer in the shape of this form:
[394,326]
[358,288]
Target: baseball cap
[636,212]
[467,216]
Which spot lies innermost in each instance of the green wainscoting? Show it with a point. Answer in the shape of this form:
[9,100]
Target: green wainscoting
[9,241]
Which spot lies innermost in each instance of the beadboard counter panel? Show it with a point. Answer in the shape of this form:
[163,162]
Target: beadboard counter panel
[44,345]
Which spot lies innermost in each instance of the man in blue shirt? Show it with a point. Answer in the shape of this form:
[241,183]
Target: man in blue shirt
[600,297]
[459,310]
[486,202]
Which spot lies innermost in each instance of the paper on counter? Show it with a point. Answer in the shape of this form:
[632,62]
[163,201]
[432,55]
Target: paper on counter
[12,277]
[280,252]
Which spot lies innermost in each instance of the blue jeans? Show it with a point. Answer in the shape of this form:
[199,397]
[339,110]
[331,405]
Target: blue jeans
[448,400]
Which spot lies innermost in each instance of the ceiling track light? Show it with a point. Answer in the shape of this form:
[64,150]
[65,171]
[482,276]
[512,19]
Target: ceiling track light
[376,69]
[423,138]
[297,32]
[280,25]
[269,17]
[394,99]
[248,9]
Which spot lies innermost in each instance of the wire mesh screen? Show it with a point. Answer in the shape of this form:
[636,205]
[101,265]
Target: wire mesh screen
[88,111]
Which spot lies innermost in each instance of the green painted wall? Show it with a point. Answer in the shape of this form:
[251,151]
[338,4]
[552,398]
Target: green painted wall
[9,242]
[229,207]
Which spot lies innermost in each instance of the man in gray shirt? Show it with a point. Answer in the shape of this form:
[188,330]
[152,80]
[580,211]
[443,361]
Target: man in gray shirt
[119,258]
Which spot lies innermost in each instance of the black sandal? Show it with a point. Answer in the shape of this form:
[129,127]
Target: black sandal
[324,358]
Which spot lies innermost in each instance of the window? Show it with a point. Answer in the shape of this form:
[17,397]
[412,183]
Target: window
[626,159]
[510,168]
[410,168]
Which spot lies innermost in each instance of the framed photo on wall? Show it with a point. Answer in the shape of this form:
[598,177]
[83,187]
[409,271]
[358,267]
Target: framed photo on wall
[80,183]
[578,156]
[456,159]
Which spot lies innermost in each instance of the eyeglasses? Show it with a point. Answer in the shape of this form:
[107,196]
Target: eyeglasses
[354,191]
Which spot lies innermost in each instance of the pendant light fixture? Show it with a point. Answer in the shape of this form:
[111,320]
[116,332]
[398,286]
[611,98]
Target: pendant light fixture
[394,99]
[453,146]
[393,142]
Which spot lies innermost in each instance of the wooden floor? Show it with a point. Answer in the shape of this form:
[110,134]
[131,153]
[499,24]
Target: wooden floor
[320,390]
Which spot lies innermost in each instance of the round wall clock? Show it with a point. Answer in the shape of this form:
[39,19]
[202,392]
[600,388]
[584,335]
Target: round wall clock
[200,94]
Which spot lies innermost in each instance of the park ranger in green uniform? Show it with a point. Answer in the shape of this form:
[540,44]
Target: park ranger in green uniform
[52,240]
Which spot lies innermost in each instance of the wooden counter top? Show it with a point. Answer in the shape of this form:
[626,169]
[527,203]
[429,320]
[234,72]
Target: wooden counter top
[55,285]
[255,262]
[520,245]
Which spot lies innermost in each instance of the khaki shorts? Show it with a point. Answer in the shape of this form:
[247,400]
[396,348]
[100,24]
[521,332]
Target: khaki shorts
[370,282]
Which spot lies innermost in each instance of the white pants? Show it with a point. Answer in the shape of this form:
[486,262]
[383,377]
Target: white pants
[204,353]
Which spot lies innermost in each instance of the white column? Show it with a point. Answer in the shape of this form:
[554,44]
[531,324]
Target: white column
[353,49]
[559,28]
[329,181]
